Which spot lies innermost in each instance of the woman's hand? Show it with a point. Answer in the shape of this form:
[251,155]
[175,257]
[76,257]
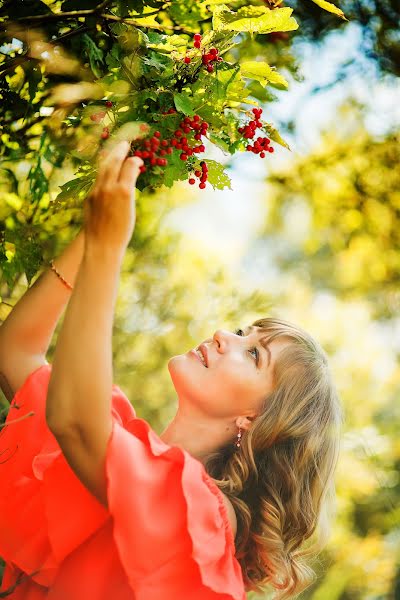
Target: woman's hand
[109,210]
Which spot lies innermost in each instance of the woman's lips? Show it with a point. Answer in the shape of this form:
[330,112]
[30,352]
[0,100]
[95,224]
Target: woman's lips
[197,356]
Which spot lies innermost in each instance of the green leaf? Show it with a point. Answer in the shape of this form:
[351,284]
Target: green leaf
[328,6]
[183,104]
[217,176]
[176,170]
[94,53]
[254,19]
[262,72]
[76,188]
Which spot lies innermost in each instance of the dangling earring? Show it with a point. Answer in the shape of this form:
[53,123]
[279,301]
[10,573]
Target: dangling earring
[238,439]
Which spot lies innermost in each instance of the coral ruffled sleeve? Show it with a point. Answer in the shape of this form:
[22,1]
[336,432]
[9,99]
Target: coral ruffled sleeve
[169,525]
[170,521]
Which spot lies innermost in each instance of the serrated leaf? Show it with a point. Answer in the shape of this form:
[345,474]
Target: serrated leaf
[183,103]
[254,19]
[262,72]
[175,171]
[94,53]
[329,7]
[76,188]
[217,176]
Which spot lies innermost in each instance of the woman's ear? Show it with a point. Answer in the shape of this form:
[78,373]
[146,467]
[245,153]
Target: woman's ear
[245,422]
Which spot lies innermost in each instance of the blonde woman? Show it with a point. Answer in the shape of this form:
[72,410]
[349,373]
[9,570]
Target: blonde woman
[94,504]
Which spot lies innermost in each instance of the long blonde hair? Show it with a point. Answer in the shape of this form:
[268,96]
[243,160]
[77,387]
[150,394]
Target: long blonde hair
[281,481]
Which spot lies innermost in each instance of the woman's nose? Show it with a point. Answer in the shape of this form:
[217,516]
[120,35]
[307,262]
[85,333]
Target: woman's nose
[221,337]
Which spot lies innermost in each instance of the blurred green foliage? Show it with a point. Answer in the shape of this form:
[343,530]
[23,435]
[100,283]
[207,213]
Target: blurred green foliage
[332,232]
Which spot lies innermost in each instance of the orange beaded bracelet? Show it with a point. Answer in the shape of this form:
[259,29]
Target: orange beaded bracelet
[60,276]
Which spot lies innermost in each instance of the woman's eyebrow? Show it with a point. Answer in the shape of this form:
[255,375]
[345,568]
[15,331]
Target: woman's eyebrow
[247,330]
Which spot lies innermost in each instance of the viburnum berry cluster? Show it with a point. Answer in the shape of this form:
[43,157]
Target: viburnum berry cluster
[99,116]
[153,150]
[209,57]
[262,144]
[197,40]
[201,175]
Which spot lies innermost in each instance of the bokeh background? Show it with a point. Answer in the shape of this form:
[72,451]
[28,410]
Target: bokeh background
[311,235]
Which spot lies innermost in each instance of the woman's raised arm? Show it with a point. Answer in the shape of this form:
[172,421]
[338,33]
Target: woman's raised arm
[27,331]
[78,407]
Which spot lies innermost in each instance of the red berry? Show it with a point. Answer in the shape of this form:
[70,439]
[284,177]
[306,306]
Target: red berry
[196,118]
[171,111]
[143,168]
[270,149]
[204,125]
[197,44]
[197,136]
[108,103]
[187,129]
[170,150]
[105,134]
[174,142]
[178,133]
[214,51]
[145,154]
[189,151]
[202,148]
[153,161]
[187,59]
[202,185]
[262,154]
[163,152]
[183,140]
[197,173]
[183,156]
[138,153]
[192,181]
[197,36]
[162,162]
[210,68]
[157,134]
[249,148]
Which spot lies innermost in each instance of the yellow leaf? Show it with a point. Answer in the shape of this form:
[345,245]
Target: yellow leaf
[330,8]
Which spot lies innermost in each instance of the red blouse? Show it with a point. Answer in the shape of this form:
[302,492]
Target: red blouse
[166,533]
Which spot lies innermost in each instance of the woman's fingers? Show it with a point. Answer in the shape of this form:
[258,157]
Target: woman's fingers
[130,171]
[111,164]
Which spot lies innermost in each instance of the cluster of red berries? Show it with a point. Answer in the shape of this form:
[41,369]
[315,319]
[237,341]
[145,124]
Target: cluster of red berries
[207,58]
[262,144]
[210,57]
[180,141]
[201,175]
[154,149]
[197,40]
[99,116]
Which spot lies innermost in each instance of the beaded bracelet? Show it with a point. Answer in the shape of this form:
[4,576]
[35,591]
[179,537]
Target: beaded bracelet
[60,276]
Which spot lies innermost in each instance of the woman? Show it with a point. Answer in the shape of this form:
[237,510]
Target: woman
[95,505]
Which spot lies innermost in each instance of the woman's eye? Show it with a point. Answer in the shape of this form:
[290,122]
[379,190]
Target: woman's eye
[241,333]
[256,353]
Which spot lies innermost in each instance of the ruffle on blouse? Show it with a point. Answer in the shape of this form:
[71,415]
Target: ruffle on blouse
[169,525]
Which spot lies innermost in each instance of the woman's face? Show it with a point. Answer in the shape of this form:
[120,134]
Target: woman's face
[236,380]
